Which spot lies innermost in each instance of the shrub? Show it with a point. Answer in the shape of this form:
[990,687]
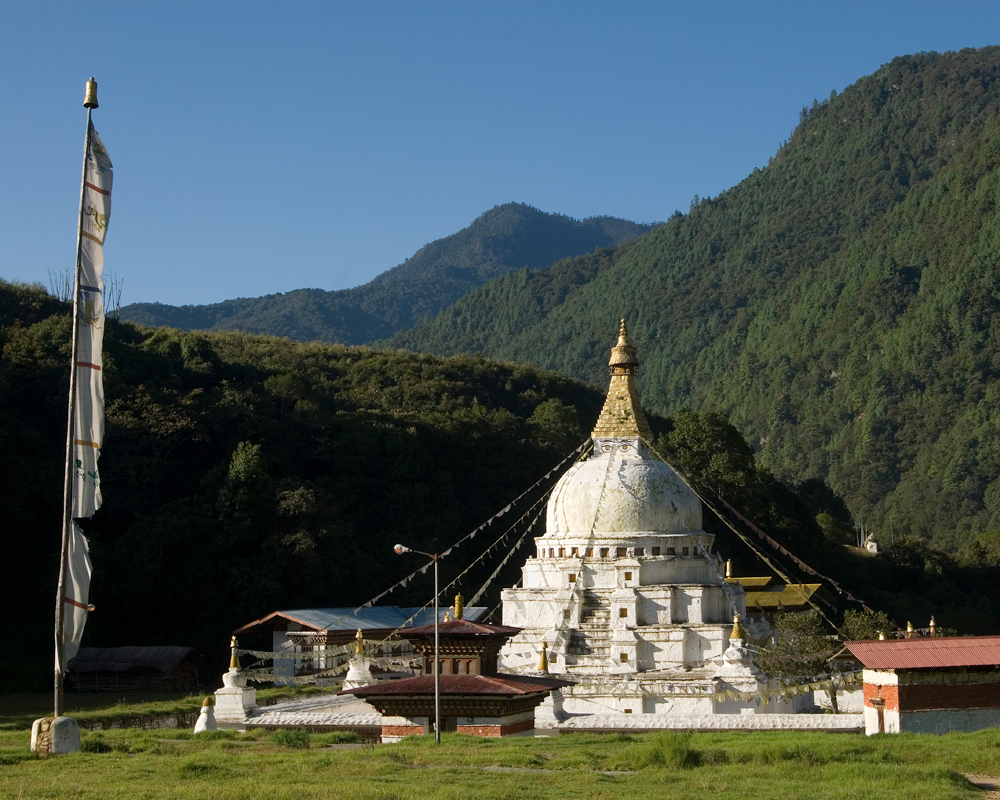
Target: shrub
[337,737]
[291,738]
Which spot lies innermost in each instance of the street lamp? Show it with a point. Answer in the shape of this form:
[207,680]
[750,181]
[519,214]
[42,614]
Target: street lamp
[400,549]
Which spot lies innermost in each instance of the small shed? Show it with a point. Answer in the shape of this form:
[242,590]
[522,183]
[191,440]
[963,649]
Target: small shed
[930,685]
[136,669]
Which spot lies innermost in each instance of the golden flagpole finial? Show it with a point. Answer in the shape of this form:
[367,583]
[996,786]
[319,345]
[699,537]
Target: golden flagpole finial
[543,660]
[90,100]
[359,646]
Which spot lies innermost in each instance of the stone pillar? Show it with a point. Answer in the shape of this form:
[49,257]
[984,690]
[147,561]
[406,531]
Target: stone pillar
[53,735]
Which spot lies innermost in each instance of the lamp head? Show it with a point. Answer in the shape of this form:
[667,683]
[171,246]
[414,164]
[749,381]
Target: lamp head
[400,549]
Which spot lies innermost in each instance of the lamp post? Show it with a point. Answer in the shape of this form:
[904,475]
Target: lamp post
[400,549]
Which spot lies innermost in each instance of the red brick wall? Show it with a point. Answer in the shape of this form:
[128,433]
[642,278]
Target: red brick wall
[497,730]
[402,730]
[926,697]
[890,694]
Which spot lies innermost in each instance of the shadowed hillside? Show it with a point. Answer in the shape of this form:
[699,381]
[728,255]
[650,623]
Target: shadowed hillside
[243,474]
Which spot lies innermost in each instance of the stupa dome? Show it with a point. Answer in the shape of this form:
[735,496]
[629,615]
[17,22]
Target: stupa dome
[622,488]
[622,492]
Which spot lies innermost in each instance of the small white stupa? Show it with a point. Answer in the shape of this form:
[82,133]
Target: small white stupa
[359,673]
[235,701]
[206,718]
[624,592]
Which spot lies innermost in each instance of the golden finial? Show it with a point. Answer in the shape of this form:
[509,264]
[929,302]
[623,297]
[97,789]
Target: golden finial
[881,636]
[729,570]
[623,353]
[359,647]
[622,415]
[933,627]
[234,660]
[737,630]
[447,618]
[90,99]
[543,660]
[909,629]
[459,606]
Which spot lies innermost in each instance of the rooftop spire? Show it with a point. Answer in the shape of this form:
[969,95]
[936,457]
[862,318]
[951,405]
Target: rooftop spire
[622,414]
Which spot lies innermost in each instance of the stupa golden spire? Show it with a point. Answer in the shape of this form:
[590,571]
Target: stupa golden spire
[622,414]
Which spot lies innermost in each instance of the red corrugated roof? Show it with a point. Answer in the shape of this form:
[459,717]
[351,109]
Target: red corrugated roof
[925,653]
[507,685]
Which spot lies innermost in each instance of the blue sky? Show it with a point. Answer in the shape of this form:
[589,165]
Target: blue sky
[264,147]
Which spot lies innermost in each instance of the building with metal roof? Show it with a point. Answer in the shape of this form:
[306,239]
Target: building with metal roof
[135,668]
[307,635]
[930,684]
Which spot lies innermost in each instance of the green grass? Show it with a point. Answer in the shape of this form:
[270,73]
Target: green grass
[136,765]
[18,710]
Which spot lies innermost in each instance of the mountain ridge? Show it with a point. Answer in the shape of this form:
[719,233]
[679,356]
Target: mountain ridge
[503,239]
[841,305]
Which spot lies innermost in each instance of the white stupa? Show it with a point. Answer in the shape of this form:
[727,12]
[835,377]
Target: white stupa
[624,590]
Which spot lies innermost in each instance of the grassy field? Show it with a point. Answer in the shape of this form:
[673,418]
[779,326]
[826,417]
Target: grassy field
[135,765]
[163,763]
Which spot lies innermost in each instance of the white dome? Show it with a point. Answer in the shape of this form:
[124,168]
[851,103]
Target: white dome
[632,494]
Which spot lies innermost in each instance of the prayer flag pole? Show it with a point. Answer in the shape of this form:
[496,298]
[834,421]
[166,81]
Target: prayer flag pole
[89,102]
[85,423]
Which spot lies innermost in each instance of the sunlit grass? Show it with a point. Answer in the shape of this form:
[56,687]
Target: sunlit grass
[134,765]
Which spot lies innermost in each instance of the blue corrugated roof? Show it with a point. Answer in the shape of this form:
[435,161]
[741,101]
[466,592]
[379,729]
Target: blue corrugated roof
[373,618]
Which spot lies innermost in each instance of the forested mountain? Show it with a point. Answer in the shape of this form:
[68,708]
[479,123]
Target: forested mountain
[502,240]
[841,305]
[243,474]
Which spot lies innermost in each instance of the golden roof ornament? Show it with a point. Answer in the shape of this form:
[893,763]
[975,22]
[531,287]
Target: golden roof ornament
[909,630]
[729,570]
[90,99]
[359,646]
[737,630]
[459,606]
[623,353]
[622,415]
[881,636]
[543,660]
[933,627]
[234,660]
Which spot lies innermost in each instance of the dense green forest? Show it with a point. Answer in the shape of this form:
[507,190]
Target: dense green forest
[502,240]
[243,474]
[840,306]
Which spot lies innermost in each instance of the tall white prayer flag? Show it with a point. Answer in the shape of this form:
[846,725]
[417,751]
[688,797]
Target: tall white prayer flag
[89,414]
[76,594]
